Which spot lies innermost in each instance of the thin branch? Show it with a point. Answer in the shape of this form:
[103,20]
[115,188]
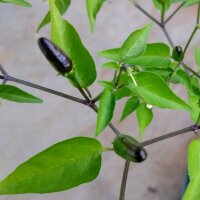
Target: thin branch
[124,180]
[167,36]
[145,12]
[33,85]
[95,108]
[162,18]
[97,97]
[115,76]
[192,71]
[86,102]
[194,31]
[175,11]
[116,82]
[171,134]
[154,20]
[190,39]
[88,92]
[114,129]
[83,94]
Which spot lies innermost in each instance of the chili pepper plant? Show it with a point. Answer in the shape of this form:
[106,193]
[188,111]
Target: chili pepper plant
[143,76]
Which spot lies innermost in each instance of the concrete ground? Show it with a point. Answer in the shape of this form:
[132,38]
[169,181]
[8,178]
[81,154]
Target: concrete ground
[27,129]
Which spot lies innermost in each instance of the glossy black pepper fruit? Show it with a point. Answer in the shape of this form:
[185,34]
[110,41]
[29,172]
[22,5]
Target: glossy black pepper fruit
[58,59]
[177,53]
[129,148]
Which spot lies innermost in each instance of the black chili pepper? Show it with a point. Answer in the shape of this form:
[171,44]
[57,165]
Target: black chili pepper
[129,148]
[178,53]
[57,57]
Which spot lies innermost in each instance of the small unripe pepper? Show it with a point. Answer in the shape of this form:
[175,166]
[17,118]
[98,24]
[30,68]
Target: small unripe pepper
[129,148]
[177,53]
[58,59]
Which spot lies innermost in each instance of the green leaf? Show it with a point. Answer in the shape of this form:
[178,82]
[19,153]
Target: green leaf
[13,93]
[176,1]
[106,110]
[107,85]
[62,6]
[18,2]
[111,65]
[62,166]
[190,2]
[66,37]
[144,117]
[156,55]
[194,102]
[112,54]
[93,7]
[193,192]
[130,107]
[181,76]
[123,91]
[195,85]
[136,43]
[197,56]
[162,3]
[155,91]
[163,72]
[194,159]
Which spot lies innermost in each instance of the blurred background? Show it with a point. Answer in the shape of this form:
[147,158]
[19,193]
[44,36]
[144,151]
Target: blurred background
[27,129]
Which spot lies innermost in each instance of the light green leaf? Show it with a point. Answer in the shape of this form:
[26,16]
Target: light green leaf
[182,77]
[162,3]
[163,72]
[62,6]
[195,85]
[123,91]
[197,56]
[111,65]
[190,2]
[130,107]
[93,7]
[194,102]
[176,1]
[13,93]
[193,192]
[194,159]
[66,37]
[107,85]
[144,117]
[156,55]
[112,54]
[155,91]
[106,109]
[136,43]
[62,166]
[17,2]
